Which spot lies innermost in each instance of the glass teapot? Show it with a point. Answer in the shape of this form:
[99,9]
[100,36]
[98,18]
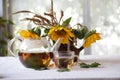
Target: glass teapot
[34,53]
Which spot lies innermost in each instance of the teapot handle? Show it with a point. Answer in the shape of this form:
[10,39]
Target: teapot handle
[10,44]
[76,56]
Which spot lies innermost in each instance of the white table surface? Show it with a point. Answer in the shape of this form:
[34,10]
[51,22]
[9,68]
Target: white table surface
[11,68]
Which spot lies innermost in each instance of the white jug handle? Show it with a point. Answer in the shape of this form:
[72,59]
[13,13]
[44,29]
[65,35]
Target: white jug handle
[10,44]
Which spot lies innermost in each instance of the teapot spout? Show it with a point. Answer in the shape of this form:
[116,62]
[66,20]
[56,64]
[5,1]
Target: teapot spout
[56,45]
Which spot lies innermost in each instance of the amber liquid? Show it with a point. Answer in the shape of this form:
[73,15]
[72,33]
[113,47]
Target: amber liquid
[35,60]
[64,63]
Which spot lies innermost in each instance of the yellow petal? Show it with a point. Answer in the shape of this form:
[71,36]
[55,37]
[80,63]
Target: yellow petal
[91,39]
[28,34]
[60,32]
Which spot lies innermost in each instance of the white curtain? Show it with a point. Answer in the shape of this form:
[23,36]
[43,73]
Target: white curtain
[105,17]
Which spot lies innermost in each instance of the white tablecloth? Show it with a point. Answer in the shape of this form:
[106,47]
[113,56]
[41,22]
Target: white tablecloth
[11,68]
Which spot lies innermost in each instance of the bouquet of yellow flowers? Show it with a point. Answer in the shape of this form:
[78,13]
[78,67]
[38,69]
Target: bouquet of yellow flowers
[54,29]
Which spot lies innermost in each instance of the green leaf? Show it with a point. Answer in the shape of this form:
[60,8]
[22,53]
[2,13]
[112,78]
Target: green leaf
[95,64]
[92,65]
[44,35]
[3,42]
[63,70]
[34,63]
[32,30]
[36,30]
[89,33]
[5,33]
[3,22]
[3,51]
[66,22]
[80,33]
[84,65]
[46,30]
[84,30]
[10,22]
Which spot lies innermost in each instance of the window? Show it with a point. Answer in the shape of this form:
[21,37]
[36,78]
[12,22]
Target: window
[103,15]
[1,8]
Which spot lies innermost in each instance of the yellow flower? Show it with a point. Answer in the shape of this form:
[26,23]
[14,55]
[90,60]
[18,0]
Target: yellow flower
[91,39]
[61,32]
[28,34]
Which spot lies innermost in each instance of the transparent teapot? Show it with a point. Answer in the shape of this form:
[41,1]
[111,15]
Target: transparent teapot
[34,53]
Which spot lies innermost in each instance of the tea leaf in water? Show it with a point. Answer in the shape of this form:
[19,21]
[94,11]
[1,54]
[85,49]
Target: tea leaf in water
[67,60]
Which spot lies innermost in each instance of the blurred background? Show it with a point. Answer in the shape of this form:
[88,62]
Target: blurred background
[102,15]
